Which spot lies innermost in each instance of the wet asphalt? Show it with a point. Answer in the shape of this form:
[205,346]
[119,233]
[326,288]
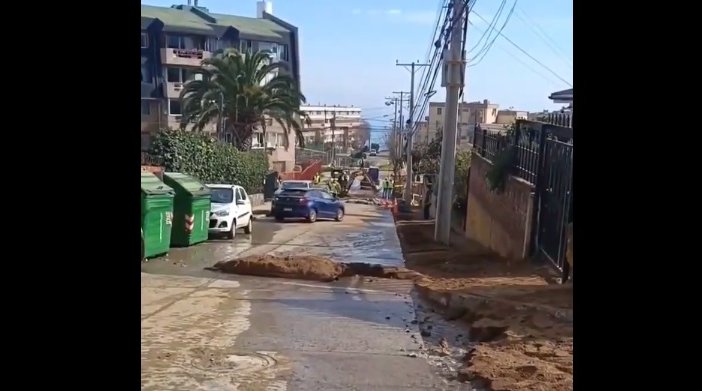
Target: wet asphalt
[355,334]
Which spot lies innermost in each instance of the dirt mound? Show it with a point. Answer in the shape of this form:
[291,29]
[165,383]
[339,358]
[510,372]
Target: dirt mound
[297,267]
[309,267]
[379,271]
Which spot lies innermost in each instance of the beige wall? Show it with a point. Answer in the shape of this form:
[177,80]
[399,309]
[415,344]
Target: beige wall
[469,113]
[507,117]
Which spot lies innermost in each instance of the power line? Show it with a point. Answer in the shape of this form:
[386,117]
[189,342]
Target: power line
[488,32]
[541,34]
[527,54]
[519,60]
[446,32]
[489,46]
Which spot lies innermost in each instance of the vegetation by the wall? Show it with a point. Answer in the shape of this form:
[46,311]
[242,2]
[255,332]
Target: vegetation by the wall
[503,161]
[426,160]
[210,161]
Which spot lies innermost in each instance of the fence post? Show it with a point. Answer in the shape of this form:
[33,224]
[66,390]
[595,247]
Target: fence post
[482,142]
[538,184]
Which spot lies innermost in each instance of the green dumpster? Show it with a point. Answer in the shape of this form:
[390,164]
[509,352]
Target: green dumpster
[156,214]
[191,209]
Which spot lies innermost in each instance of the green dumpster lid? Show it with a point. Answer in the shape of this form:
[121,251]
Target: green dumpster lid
[186,183]
[150,184]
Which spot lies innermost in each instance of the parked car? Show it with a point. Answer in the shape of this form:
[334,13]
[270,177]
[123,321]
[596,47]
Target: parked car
[293,184]
[230,210]
[307,203]
[290,184]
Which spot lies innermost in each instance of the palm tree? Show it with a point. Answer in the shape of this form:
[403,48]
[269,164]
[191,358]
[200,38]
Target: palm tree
[237,89]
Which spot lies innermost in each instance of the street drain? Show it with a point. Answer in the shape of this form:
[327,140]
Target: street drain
[241,362]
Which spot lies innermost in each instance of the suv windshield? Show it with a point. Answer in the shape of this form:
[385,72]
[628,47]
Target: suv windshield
[222,196]
[290,185]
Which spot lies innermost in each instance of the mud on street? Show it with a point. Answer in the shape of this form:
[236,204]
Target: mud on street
[205,330]
[309,335]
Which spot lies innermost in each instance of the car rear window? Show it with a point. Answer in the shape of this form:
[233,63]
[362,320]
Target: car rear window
[294,192]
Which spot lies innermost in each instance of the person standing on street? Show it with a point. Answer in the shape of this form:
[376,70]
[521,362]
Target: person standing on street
[386,188]
[391,188]
[427,203]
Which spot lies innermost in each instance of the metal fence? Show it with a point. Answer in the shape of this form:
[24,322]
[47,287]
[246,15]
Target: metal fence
[304,156]
[559,119]
[149,160]
[543,156]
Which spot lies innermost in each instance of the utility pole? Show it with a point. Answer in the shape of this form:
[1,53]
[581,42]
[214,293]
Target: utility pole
[400,127]
[455,71]
[410,129]
[393,101]
[333,128]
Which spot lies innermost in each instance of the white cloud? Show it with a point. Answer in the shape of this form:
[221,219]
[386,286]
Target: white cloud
[393,12]
[357,11]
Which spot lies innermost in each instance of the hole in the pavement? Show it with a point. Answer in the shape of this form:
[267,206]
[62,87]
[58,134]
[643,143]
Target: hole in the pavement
[223,361]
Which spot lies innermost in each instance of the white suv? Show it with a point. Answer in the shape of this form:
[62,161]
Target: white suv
[230,210]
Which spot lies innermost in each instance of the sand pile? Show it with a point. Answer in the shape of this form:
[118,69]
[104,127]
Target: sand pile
[309,267]
[306,267]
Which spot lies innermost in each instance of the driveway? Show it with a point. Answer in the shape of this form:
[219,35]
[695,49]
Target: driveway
[207,331]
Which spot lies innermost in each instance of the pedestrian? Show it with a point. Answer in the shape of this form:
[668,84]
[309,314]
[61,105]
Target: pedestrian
[385,188]
[427,203]
[391,188]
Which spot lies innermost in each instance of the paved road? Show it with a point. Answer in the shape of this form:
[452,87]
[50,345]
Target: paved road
[207,331]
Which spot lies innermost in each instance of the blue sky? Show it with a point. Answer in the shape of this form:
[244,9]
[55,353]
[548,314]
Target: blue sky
[349,47]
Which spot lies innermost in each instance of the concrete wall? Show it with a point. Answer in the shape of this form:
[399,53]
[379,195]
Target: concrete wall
[499,221]
[256,199]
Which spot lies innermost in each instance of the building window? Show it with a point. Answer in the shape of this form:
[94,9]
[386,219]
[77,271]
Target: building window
[145,107]
[245,46]
[144,40]
[438,110]
[175,42]
[174,107]
[494,111]
[181,75]
[284,54]
[257,140]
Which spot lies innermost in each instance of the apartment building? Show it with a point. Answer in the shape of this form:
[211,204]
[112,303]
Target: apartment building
[469,114]
[422,135]
[175,40]
[332,123]
[507,117]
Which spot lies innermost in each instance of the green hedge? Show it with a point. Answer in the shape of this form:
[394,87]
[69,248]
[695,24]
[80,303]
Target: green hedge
[210,161]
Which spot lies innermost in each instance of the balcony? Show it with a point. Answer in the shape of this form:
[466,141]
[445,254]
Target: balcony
[172,90]
[184,57]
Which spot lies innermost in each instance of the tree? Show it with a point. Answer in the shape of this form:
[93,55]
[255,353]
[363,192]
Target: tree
[244,90]
[362,136]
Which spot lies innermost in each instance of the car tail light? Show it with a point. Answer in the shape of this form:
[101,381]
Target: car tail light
[303,200]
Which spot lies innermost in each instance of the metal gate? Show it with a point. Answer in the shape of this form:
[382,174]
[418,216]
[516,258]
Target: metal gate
[554,191]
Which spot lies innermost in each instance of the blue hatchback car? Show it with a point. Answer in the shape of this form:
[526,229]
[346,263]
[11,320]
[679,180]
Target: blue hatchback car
[307,203]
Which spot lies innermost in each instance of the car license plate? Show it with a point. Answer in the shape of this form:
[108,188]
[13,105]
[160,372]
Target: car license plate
[287,209]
